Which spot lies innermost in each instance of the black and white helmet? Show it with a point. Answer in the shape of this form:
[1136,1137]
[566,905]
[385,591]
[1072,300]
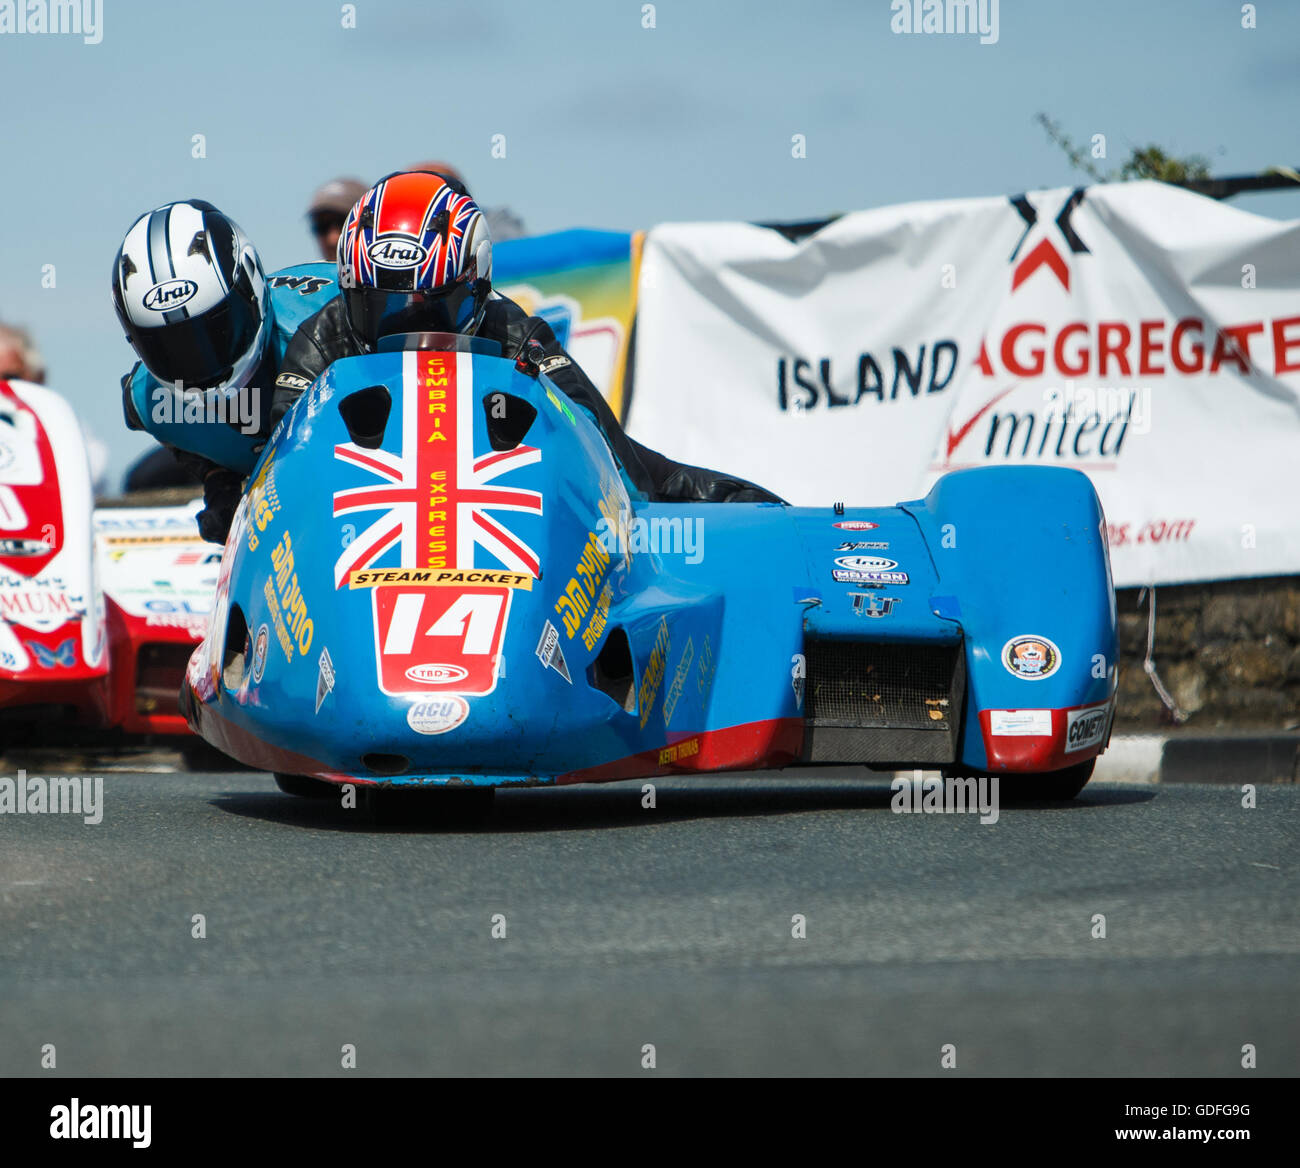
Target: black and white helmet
[191,294]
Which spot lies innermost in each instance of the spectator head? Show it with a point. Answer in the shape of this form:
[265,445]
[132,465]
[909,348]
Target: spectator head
[329,207]
[20,359]
[501,221]
[443,168]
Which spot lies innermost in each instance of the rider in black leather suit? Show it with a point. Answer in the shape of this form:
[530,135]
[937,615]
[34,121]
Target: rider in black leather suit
[530,343]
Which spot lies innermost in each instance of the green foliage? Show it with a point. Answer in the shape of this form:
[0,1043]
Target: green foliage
[1152,162]
[1146,162]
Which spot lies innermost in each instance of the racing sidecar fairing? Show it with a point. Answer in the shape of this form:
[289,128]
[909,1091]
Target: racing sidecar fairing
[159,578]
[438,575]
[99,609]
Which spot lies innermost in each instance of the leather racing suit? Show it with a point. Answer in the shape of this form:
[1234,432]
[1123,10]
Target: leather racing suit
[528,341]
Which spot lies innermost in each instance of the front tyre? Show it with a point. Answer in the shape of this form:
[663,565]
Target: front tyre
[438,807]
[306,788]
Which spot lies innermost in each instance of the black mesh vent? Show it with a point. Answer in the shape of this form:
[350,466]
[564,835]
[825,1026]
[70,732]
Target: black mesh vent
[885,686]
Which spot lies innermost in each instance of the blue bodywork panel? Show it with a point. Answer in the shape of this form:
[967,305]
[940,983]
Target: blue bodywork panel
[477,597]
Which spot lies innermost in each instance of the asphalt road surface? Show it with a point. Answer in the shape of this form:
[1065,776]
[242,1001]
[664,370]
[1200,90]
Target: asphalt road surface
[670,927]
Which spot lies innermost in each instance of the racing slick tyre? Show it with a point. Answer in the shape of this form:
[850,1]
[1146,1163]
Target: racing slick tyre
[306,788]
[1047,787]
[430,806]
[1053,787]
[198,755]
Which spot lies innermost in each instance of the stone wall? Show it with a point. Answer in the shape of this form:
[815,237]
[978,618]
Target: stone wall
[1228,653]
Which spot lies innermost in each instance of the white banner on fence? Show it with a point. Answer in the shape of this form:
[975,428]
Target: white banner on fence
[1145,335]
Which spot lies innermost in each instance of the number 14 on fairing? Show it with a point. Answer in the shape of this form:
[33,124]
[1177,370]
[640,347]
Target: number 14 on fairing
[432,640]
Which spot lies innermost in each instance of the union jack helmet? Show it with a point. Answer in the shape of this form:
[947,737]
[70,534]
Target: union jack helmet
[415,255]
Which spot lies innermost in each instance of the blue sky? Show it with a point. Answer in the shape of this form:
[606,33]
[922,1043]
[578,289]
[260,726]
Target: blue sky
[606,123]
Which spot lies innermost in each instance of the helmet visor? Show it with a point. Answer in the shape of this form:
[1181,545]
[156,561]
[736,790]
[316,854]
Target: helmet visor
[376,314]
[204,351]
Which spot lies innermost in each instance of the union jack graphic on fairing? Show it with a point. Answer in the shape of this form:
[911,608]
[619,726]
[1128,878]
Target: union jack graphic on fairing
[435,495]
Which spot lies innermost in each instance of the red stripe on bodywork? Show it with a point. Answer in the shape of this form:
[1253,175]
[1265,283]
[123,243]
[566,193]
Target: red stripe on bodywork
[1036,753]
[239,743]
[775,742]
[436,459]
[351,454]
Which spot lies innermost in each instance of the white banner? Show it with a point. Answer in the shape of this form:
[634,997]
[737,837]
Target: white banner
[1145,335]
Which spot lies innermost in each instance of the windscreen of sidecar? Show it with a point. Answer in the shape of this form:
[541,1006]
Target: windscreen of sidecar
[438,343]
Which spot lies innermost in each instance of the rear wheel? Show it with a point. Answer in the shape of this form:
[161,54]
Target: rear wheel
[306,788]
[1052,787]
[1045,787]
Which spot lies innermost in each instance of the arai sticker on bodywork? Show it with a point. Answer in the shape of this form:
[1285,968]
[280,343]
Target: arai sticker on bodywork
[866,563]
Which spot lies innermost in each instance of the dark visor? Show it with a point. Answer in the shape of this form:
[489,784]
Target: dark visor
[376,314]
[201,352]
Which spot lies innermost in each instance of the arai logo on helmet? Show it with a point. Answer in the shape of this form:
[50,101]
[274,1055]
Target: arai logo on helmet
[866,563]
[437,715]
[170,294]
[433,674]
[396,251]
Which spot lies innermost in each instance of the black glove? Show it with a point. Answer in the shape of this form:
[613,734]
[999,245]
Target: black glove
[221,493]
[289,387]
